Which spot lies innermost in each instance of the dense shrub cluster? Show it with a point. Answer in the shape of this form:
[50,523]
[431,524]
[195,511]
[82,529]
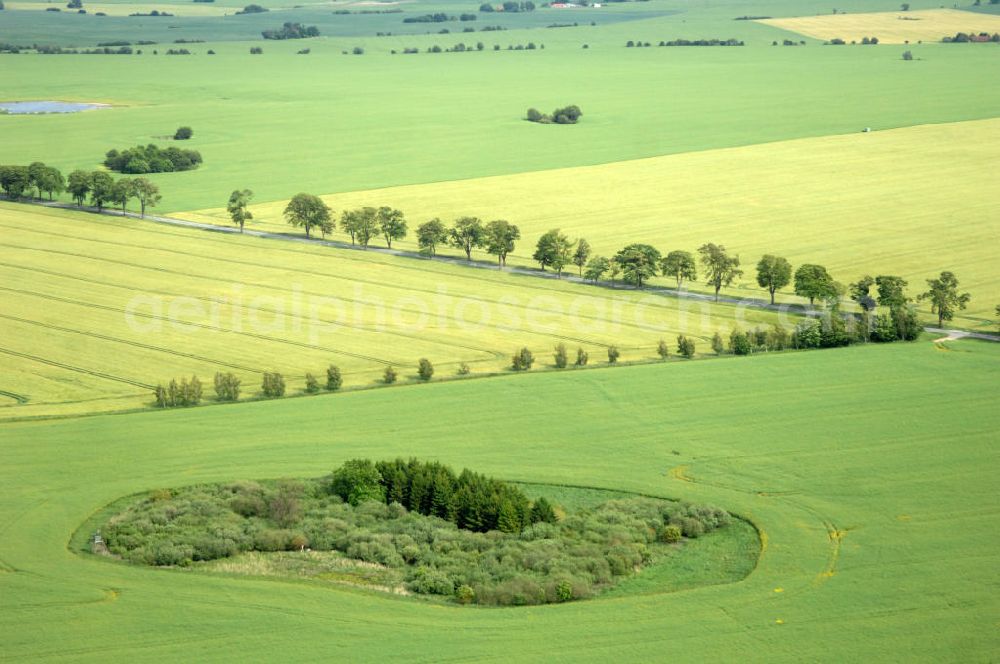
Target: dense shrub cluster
[183,393]
[152,159]
[567,115]
[291,30]
[549,561]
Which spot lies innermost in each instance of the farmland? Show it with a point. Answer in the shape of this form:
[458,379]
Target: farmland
[113,325]
[862,477]
[890,27]
[878,512]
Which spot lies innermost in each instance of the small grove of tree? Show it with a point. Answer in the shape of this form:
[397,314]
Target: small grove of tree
[814,282]
[152,159]
[685,346]
[333,378]
[522,360]
[361,224]
[773,273]
[613,354]
[639,262]
[312,385]
[183,393]
[561,356]
[183,133]
[425,370]
[944,297]
[389,376]
[46,179]
[272,385]
[290,30]
[467,234]
[499,237]
[227,387]
[429,235]
[553,249]
[252,9]
[308,211]
[391,224]
[721,269]
[566,115]
[581,254]
[581,357]
[238,207]
[680,265]
[739,342]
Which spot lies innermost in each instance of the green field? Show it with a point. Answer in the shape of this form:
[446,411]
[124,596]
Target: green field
[99,310]
[875,492]
[868,472]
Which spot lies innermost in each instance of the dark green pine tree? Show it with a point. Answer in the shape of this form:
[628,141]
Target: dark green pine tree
[542,511]
[507,518]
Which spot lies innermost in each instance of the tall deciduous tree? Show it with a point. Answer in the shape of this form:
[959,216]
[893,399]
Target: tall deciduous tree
[891,291]
[391,224]
[581,254]
[499,237]
[553,249]
[101,189]
[467,234]
[238,207]
[944,296]
[813,281]
[14,180]
[122,191]
[721,269]
[308,211]
[639,262]
[860,292]
[680,265]
[78,186]
[773,273]
[430,234]
[51,181]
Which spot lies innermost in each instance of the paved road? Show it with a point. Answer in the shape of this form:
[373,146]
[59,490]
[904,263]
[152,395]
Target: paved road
[668,292]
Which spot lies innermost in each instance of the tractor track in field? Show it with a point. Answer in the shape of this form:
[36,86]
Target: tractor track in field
[205,326]
[135,344]
[19,398]
[355,326]
[486,301]
[80,370]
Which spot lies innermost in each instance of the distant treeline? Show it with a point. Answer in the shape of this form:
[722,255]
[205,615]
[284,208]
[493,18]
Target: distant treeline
[439,17]
[17,181]
[291,30]
[687,42]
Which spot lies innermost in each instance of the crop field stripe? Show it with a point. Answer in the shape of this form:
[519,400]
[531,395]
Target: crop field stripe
[356,326]
[69,367]
[136,344]
[372,282]
[205,326]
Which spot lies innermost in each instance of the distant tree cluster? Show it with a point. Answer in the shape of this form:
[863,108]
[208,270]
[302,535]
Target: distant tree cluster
[439,17]
[687,42]
[179,393]
[252,9]
[566,115]
[152,159]
[291,30]
[104,189]
[35,178]
[183,133]
[469,500]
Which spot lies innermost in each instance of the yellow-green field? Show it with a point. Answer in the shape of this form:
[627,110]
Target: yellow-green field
[118,9]
[890,27]
[911,201]
[98,310]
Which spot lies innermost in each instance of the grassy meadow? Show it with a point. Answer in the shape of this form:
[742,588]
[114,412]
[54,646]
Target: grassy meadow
[874,492]
[99,310]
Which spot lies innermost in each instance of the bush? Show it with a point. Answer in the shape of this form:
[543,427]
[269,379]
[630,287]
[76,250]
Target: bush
[907,55]
[739,342]
[183,133]
[465,594]
[273,385]
[613,354]
[685,346]
[227,387]
[718,347]
[662,350]
[312,385]
[333,379]
[561,357]
[581,357]
[670,534]
[425,370]
[464,369]
[256,50]
[522,360]
[389,376]
[291,30]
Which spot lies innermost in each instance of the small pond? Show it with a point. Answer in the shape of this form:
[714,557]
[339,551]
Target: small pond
[26,107]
